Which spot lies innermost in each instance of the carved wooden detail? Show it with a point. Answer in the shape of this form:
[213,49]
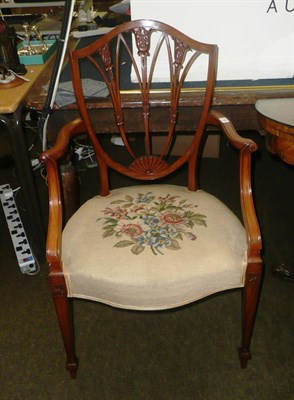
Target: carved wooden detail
[105,55]
[143,36]
[148,165]
[59,291]
[180,52]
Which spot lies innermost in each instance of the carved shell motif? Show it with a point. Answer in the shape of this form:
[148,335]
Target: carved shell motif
[148,165]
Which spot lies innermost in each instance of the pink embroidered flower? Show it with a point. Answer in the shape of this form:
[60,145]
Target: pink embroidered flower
[147,221]
[172,218]
[131,229]
[136,211]
[117,213]
[168,198]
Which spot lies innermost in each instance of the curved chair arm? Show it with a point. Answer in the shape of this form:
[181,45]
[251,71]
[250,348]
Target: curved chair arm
[246,147]
[222,122]
[50,158]
[65,134]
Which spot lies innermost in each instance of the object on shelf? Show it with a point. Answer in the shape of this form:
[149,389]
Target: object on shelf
[8,50]
[34,51]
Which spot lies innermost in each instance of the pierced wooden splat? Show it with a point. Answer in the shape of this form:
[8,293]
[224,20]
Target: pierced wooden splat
[140,50]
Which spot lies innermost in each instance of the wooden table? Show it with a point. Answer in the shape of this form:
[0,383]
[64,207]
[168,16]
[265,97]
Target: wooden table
[11,114]
[276,117]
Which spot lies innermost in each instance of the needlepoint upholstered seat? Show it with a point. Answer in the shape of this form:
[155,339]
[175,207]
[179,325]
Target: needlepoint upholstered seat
[152,245]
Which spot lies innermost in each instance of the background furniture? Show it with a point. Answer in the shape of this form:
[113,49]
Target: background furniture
[276,117]
[234,98]
[136,247]
[11,118]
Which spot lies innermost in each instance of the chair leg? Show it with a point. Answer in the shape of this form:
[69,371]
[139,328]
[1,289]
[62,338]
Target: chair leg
[63,308]
[250,299]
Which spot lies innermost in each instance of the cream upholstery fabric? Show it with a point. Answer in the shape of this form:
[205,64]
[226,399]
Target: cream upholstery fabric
[124,270]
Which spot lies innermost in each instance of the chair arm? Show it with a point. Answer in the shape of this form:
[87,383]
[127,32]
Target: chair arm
[225,125]
[65,134]
[246,147]
[247,205]
[50,159]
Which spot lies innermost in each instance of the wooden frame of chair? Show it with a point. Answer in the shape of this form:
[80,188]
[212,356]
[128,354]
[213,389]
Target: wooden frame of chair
[148,167]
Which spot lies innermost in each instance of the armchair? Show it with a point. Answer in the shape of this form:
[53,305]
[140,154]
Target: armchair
[152,245]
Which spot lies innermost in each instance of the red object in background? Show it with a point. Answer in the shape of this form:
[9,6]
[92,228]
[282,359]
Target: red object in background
[2,27]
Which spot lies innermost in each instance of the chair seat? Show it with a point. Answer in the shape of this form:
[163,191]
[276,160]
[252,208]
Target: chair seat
[153,247]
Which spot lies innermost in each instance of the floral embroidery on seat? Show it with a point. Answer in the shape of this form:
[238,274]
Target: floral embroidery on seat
[146,221]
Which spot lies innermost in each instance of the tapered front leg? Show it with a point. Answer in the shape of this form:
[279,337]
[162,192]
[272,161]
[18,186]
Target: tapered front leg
[64,312]
[251,293]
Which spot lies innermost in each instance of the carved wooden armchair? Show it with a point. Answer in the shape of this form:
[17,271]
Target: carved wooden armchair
[150,246]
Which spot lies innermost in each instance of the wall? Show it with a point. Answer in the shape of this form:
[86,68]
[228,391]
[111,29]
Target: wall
[255,37]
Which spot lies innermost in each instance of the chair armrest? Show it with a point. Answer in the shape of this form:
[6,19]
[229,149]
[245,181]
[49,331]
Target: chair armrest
[246,147]
[50,159]
[65,134]
[225,125]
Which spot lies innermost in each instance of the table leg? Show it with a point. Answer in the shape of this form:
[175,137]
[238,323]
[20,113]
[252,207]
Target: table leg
[34,226]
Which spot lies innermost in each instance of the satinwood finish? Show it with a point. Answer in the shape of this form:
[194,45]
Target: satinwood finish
[107,56]
[276,117]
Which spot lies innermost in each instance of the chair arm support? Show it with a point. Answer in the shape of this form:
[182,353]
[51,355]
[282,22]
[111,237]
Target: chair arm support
[53,245]
[247,206]
[65,134]
[50,159]
[225,125]
[246,147]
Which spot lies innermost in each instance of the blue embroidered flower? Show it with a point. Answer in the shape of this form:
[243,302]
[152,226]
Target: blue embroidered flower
[145,221]
[150,220]
[144,198]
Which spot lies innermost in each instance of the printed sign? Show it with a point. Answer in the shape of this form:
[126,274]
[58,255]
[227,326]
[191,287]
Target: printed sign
[255,37]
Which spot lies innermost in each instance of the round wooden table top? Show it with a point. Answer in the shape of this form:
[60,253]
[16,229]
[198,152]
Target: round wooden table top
[276,117]
[278,110]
